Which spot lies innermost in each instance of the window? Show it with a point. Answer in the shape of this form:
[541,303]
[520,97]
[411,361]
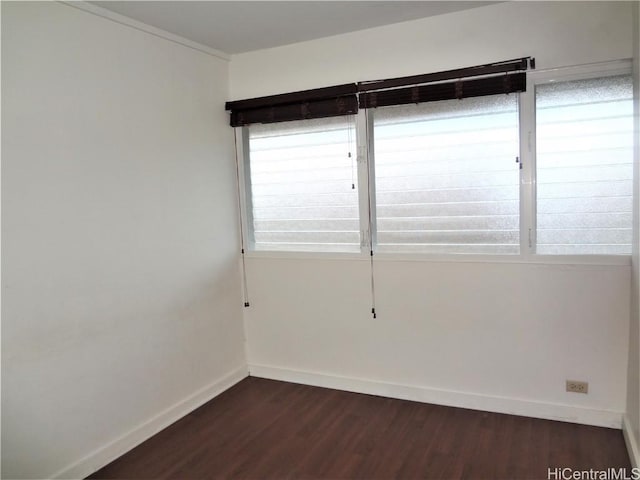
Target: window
[446,176]
[483,166]
[303,185]
[584,132]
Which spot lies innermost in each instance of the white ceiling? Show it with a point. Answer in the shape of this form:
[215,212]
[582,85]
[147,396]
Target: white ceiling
[242,26]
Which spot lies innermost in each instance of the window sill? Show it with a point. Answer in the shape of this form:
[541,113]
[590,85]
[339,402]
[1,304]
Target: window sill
[607,260]
[349,256]
[604,260]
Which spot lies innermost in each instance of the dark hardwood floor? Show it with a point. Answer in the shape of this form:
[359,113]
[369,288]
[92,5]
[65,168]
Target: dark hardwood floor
[264,429]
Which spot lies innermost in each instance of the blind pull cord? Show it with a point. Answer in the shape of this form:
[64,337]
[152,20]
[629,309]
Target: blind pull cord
[373,288]
[245,290]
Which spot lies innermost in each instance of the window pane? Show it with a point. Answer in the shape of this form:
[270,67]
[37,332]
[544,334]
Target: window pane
[301,185]
[447,180]
[585,166]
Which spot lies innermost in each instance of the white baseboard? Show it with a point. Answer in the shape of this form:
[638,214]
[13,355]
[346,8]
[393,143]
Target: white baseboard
[631,442]
[513,406]
[106,454]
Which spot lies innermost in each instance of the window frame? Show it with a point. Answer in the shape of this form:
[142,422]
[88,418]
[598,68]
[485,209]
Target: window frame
[438,256]
[241,138]
[243,159]
[365,158]
[564,74]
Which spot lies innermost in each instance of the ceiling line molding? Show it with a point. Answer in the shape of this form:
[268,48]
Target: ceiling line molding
[143,27]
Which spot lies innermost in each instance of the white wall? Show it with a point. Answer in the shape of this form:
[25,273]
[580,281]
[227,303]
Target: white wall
[121,308]
[512,331]
[556,33]
[495,336]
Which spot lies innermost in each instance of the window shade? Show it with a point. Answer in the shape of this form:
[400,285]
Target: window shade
[308,104]
[342,100]
[445,91]
[519,64]
[495,78]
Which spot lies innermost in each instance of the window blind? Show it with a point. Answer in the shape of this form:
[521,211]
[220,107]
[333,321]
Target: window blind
[502,77]
[308,104]
[338,100]
[445,91]
[506,66]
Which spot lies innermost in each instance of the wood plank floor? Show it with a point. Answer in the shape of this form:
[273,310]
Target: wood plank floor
[265,429]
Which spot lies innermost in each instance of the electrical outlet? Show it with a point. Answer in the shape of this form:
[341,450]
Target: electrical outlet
[577,387]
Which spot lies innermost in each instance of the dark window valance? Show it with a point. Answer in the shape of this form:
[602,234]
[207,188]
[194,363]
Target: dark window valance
[488,79]
[307,104]
[516,82]
[519,64]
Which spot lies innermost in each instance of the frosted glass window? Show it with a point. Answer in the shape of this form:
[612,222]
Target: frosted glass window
[584,133]
[447,180]
[302,185]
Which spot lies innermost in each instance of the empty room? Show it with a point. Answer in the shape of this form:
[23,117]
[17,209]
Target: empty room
[320,240]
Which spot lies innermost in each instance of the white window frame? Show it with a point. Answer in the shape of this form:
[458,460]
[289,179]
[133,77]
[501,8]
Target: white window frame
[528,129]
[244,171]
[366,175]
[366,189]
